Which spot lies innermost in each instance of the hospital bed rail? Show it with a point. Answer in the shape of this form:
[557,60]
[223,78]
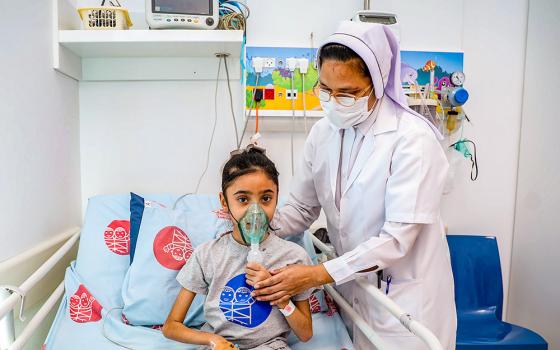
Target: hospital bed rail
[9,301]
[413,326]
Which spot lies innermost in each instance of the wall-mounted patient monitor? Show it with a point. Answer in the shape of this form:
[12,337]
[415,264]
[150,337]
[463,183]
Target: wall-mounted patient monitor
[182,14]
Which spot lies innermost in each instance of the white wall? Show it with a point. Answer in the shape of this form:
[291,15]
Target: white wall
[493,42]
[536,263]
[153,136]
[39,132]
[174,118]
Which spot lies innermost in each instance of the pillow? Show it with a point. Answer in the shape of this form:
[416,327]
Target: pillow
[103,253]
[137,210]
[79,319]
[165,241]
[102,258]
[82,323]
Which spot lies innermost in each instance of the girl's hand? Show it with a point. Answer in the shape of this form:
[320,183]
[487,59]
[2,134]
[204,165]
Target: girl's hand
[219,343]
[255,273]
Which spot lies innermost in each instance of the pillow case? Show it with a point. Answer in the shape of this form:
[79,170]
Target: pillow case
[103,253]
[165,241]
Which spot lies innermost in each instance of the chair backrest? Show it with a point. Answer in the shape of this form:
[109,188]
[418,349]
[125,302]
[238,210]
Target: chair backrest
[478,276]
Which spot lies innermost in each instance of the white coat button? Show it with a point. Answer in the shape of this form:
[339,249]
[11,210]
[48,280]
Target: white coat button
[356,302]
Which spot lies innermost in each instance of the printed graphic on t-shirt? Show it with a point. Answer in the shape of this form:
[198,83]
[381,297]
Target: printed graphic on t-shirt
[239,307]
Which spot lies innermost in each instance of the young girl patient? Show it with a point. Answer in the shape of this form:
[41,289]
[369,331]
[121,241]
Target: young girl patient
[219,269]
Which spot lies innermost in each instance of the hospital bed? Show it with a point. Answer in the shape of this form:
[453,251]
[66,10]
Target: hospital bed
[98,322]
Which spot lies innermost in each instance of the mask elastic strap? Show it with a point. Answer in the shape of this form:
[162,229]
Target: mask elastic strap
[372,107]
[474,161]
[374,104]
[237,222]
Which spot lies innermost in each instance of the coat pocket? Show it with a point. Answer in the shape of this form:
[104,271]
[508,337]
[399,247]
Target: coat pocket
[407,294]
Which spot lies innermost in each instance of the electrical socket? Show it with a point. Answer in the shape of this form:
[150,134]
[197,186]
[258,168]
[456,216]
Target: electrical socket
[269,93]
[258,95]
[291,94]
[270,62]
[257,64]
[291,63]
[303,65]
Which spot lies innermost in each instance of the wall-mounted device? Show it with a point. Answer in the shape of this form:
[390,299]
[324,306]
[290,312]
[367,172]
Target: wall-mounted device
[182,14]
[458,78]
[389,19]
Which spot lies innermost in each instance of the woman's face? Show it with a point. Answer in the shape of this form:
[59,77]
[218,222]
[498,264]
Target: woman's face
[253,187]
[345,77]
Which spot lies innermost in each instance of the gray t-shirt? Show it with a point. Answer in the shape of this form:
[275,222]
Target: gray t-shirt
[217,269]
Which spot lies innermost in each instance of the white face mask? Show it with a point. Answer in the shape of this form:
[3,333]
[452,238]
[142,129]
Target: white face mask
[343,117]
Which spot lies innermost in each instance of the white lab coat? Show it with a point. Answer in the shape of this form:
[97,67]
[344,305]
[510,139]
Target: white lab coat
[389,216]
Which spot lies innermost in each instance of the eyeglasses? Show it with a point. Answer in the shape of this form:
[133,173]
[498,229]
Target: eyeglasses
[250,148]
[346,100]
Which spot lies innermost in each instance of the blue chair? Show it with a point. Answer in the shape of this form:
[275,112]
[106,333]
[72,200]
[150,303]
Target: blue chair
[479,297]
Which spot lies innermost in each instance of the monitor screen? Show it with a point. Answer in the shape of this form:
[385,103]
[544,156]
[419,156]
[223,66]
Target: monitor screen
[186,7]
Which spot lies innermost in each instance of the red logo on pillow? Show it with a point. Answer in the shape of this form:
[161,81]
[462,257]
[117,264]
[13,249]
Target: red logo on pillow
[117,237]
[84,307]
[222,214]
[172,247]
[314,304]
[331,305]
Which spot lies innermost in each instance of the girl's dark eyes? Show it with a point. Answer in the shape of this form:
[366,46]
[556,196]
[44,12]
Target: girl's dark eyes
[245,200]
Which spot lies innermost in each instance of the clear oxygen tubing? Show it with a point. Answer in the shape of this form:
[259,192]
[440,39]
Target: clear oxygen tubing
[311,37]
[304,106]
[213,127]
[231,102]
[437,120]
[293,121]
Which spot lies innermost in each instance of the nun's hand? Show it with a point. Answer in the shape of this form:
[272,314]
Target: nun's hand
[289,281]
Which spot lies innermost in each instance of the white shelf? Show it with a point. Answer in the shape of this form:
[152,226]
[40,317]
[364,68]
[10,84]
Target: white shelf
[286,114]
[281,124]
[92,55]
[151,43]
[281,121]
